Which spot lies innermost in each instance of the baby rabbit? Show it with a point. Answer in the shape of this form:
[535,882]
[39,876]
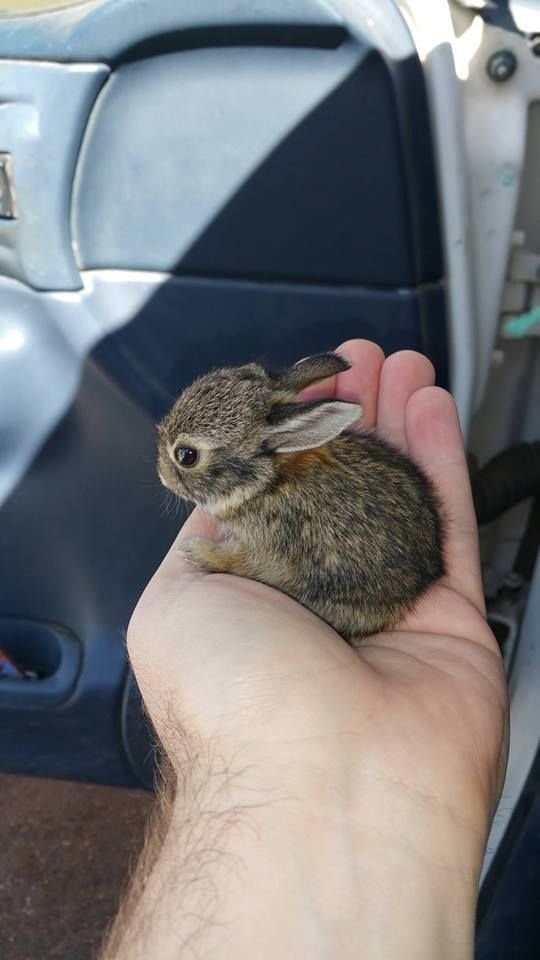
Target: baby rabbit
[341,521]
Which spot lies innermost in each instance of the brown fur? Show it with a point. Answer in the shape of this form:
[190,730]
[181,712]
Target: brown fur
[289,465]
[221,557]
[347,526]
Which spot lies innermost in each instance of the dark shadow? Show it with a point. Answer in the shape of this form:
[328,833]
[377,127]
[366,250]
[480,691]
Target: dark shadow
[314,36]
[498,14]
[507,913]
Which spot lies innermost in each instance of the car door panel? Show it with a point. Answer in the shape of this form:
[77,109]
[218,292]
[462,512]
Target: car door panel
[191,186]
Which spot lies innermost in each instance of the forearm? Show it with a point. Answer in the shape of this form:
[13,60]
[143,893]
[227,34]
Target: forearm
[244,869]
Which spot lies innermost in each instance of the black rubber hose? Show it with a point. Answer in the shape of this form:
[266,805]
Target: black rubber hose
[512,476]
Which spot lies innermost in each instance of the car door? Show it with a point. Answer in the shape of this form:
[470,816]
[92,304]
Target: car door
[182,186]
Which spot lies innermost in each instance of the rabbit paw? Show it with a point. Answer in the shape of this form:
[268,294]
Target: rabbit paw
[200,552]
[224,557]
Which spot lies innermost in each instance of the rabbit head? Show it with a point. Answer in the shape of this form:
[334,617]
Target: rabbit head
[219,442]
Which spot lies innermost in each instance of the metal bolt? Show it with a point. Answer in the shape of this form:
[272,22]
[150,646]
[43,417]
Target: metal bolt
[534,42]
[502,65]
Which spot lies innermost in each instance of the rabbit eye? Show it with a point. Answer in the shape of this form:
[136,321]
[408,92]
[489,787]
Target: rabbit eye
[186,456]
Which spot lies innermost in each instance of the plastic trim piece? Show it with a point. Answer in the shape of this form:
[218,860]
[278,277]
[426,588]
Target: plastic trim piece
[44,109]
[524,684]
[102,30]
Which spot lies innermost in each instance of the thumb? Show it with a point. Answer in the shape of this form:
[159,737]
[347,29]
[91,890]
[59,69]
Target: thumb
[174,575]
[200,523]
[174,568]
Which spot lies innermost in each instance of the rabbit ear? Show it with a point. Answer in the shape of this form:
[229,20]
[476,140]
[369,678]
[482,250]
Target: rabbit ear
[311,370]
[302,426]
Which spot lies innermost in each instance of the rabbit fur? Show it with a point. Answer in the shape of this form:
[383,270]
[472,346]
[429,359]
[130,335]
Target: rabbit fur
[339,520]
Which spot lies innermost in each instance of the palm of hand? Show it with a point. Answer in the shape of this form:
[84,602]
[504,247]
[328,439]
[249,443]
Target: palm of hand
[423,706]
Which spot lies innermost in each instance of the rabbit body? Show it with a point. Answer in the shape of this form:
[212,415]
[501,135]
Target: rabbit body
[349,526]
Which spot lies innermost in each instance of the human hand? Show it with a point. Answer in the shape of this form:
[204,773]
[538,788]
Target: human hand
[403,740]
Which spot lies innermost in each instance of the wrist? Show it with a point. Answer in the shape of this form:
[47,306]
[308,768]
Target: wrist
[307,870]
[284,861]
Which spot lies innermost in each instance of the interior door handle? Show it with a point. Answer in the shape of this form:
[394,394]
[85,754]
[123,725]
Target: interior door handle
[52,658]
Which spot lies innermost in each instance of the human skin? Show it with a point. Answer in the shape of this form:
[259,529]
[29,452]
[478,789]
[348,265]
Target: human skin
[323,801]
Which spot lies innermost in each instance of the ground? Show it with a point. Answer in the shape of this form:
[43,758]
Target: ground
[64,858]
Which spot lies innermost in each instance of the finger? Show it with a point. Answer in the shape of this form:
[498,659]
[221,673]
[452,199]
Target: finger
[435,442]
[360,384]
[402,374]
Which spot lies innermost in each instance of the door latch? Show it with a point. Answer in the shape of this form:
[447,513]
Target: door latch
[8,209]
